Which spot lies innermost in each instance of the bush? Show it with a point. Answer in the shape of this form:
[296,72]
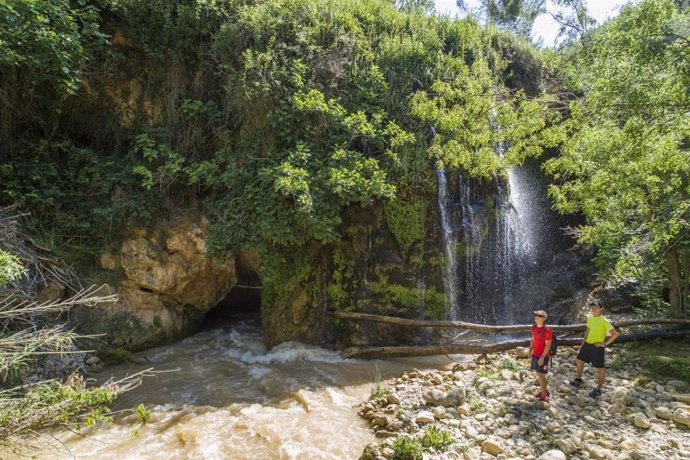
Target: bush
[405,448]
[437,438]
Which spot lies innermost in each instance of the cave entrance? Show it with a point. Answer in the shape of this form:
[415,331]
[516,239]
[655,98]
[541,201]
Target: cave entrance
[243,302]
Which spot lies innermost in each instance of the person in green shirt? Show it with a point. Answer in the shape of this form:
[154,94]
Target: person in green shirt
[593,346]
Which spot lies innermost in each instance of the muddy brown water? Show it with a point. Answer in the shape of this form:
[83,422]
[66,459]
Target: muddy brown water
[221,394]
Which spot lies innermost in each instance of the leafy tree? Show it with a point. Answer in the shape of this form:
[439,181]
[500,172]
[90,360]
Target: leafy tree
[518,16]
[43,50]
[626,162]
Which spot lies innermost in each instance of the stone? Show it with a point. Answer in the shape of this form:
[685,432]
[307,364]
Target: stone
[492,446]
[522,352]
[663,413]
[566,445]
[392,398]
[553,455]
[598,452]
[630,444]
[682,416]
[93,360]
[681,397]
[424,417]
[464,409]
[474,453]
[641,421]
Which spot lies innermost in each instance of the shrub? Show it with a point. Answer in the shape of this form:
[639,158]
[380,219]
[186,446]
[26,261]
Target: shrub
[405,448]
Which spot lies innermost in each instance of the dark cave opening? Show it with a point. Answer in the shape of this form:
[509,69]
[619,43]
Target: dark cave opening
[243,302]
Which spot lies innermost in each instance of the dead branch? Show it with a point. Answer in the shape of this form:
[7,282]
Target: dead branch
[405,351]
[493,329]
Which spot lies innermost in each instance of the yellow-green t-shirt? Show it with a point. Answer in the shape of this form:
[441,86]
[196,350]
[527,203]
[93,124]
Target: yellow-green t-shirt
[598,327]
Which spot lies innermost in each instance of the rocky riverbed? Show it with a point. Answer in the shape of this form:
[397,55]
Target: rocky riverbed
[489,409]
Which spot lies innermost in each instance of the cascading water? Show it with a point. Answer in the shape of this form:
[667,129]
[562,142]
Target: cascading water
[490,230]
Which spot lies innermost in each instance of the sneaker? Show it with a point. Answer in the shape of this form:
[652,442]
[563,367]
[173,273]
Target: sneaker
[595,393]
[544,396]
[577,382]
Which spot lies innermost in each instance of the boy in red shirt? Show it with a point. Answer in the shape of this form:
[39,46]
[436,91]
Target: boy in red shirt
[540,351]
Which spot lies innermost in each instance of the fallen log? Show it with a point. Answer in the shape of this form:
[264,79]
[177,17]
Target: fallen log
[452,349]
[492,329]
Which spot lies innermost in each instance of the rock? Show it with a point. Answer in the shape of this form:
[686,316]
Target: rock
[379,418]
[553,455]
[392,398]
[682,416]
[93,360]
[474,453]
[434,397]
[522,352]
[424,417]
[118,342]
[464,409]
[598,452]
[629,444]
[566,445]
[439,412]
[681,397]
[641,421]
[492,445]
[663,413]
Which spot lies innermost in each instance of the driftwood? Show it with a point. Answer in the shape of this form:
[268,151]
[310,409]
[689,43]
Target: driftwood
[449,349]
[493,329]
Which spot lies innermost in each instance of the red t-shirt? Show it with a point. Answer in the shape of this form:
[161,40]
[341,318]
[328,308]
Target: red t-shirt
[539,338]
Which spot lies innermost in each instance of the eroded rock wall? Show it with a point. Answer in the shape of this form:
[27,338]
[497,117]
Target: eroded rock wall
[165,285]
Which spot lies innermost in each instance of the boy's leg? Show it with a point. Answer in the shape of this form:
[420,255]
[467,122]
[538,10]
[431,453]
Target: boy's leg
[580,368]
[601,377]
[542,382]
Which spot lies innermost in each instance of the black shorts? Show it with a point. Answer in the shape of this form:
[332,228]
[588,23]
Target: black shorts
[544,368]
[590,353]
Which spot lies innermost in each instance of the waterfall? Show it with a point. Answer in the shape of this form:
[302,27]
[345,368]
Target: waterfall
[490,231]
[450,272]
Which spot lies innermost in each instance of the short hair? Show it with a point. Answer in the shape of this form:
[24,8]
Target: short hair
[595,303]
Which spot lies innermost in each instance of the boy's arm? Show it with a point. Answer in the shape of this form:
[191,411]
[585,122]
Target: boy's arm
[613,335]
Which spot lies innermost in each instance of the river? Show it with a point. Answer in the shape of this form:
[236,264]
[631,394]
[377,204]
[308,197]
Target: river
[220,394]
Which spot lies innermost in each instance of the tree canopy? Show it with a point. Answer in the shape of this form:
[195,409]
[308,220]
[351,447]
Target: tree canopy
[625,162]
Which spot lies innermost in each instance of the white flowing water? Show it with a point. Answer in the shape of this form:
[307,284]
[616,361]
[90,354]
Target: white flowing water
[224,396]
[490,249]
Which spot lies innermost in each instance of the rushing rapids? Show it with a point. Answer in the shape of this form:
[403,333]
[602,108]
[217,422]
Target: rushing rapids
[222,394]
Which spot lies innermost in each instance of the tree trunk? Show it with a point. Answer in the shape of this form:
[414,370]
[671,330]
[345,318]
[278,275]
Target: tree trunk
[491,329]
[678,277]
[399,352]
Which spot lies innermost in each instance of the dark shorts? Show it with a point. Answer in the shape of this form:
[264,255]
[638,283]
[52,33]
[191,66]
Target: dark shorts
[544,368]
[590,353]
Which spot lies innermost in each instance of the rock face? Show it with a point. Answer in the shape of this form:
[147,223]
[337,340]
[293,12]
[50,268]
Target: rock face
[167,284]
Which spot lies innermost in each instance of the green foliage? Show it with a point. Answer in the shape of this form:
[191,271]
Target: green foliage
[406,448]
[406,220]
[665,358]
[410,302]
[69,404]
[143,414]
[625,163]
[44,50]
[11,268]
[437,438]
[510,364]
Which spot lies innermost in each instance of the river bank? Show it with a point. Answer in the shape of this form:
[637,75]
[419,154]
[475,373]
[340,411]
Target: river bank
[488,408]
